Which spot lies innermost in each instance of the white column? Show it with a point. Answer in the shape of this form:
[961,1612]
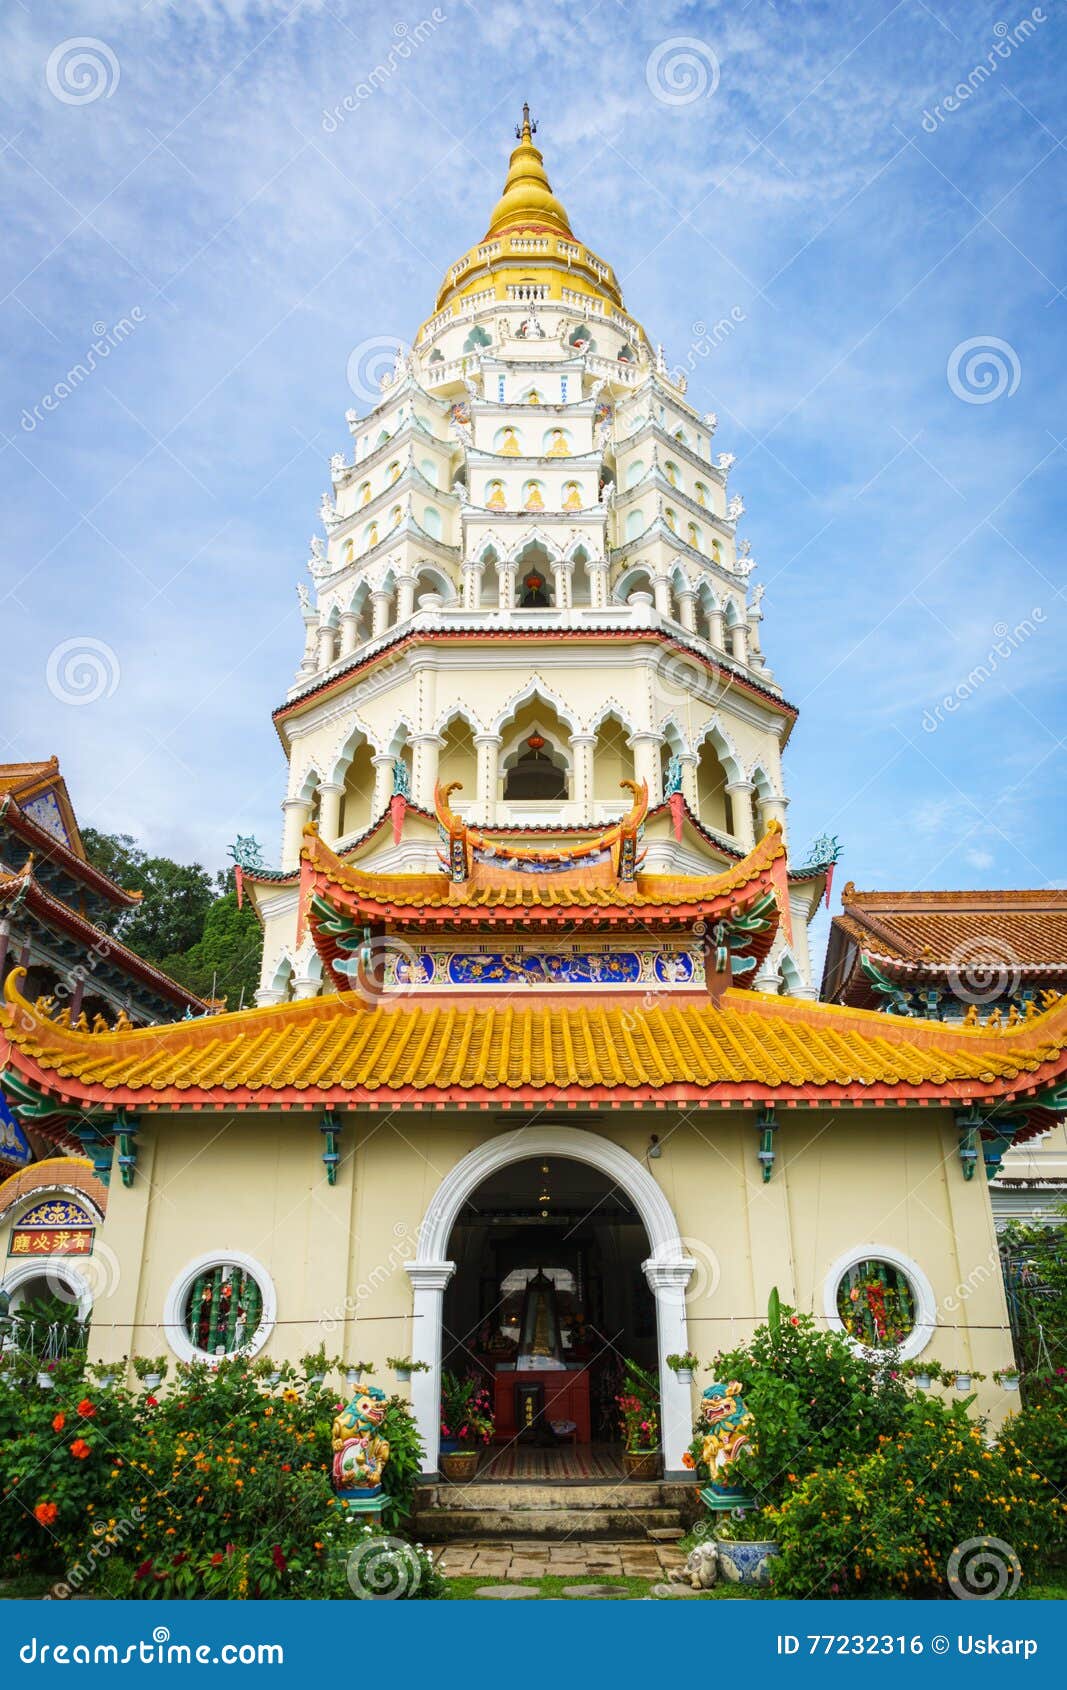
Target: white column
[425,748]
[268,995]
[687,609]
[488,747]
[428,1281]
[472,585]
[405,596]
[739,642]
[381,602]
[716,634]
[296,812]
[741,818]
[667,1282]
[383,781]
[305,987]
[327,645]
[505,574]
[582,750]
[330,794]
[646,749]
[661,589]
[753,633]
[773,809]
[690,791]
[598,582]
[349,633]
[309,661]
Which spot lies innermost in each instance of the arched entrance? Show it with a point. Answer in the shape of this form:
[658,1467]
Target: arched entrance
[666,1268]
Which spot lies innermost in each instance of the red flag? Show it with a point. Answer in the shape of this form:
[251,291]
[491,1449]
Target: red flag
[398,805]
[239,882]
[829,882]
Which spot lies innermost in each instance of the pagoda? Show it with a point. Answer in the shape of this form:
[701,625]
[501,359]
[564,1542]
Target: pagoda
[534,946]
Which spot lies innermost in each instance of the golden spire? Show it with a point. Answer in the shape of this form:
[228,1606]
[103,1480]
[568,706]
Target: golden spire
[527,196]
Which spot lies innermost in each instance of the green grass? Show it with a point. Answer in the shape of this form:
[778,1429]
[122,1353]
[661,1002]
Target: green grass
[552,1585]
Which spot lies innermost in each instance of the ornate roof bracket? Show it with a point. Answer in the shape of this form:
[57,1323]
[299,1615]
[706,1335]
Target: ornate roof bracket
[126,1129]
[766,1126]
[330,1127]
[98,1146]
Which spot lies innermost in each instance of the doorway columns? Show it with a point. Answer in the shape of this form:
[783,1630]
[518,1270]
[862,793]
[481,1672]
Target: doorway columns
[667,1270]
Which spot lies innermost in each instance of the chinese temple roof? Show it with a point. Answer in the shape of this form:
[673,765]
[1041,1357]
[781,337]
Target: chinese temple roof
[346,1049]
[36,807]
[922,937]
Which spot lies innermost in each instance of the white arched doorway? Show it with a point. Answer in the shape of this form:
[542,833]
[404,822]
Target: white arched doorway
[667,1270]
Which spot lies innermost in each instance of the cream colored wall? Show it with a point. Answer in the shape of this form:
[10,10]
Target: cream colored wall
[336,1254]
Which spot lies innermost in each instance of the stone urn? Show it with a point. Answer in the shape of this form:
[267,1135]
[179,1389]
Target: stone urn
[746,1562]
[459,1465]
[641,1463]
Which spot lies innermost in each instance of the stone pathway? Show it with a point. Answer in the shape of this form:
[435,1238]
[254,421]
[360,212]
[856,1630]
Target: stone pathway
[575,1561]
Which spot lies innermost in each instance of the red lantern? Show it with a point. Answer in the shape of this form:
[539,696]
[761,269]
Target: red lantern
[536,742]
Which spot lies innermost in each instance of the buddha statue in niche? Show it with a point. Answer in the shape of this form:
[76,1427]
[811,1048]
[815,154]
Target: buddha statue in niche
[509,445]
[558,447]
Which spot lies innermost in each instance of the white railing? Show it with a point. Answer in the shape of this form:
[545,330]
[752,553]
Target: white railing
[528,243]
[528,292]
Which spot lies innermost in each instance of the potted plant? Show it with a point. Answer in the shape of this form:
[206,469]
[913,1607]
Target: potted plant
[150,1370]
[684,1366]
[638,1405]
[44,1376]
[964,1378]
[466,1425]
[922,1374]
[355,1371]
[1007,1378]
[316,1365]
[746,1545]
[106,1373]
[404,1367]
[267,1372]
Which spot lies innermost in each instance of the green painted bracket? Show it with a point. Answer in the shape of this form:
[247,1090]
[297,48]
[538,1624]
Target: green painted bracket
[330,1127]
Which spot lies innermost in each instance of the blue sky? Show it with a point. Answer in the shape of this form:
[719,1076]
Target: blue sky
[903,513]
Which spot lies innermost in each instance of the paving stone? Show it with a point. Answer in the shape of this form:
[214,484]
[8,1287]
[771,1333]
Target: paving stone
[675,1592]
[524,1570]
[505,1592]
[665,1534]
[594,1590]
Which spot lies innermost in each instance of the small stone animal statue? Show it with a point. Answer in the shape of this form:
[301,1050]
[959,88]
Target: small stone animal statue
[701,1570]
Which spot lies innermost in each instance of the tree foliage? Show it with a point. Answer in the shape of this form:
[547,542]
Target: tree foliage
[187,923]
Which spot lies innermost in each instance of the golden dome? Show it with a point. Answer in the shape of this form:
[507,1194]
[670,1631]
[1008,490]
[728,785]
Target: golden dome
[527,196]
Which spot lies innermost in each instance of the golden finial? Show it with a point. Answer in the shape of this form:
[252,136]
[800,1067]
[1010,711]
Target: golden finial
[526,130]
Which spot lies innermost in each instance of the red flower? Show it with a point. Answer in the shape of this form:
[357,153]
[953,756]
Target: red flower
[80,1449]
[151,1402]
[218,1558]
[45,1513]
[278,1558]
[143,1570]
[794,1320]
[59,1421]
[86,1409]
[286,1468]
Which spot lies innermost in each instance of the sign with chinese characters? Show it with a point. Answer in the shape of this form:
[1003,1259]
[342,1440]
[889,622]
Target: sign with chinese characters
[56,1227]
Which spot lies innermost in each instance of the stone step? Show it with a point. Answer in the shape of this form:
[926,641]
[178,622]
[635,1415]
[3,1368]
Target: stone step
[619,1524]
[628,1493]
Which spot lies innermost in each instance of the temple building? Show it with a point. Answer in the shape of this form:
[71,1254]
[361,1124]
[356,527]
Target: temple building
[537,1078]
[974,958]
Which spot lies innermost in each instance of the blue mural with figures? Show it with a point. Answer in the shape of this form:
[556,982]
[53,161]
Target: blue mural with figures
[582,969]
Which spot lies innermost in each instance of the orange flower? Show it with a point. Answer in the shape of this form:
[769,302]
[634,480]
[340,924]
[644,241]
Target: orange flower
[45,1512]
[687,1460]
[59,1421]
[86,1409]
[80,1449]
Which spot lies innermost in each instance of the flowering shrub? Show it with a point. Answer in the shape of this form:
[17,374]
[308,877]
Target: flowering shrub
[888,1524]
[217,1488]
[466,1411]
[814,1400]
[638,1405]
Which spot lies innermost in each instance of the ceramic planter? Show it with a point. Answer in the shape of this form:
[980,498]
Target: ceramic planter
[1009,1382]
[273,1378]
[641,1463]
[151,1380]
[316,1378]
[353,1375]
[46,1382]
[460,1465]
[746,1563]
[963,1381]
[922,1381]
[684,1375]
[403,1375]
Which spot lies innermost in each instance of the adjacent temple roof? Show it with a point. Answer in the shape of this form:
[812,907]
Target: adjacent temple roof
[924,938]
[35,806]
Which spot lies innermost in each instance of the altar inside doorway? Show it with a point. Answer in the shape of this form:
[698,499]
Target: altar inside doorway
[547,1298]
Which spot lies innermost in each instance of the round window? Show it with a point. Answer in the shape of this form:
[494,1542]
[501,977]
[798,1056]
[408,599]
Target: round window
[876,1304]
[223,1309]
